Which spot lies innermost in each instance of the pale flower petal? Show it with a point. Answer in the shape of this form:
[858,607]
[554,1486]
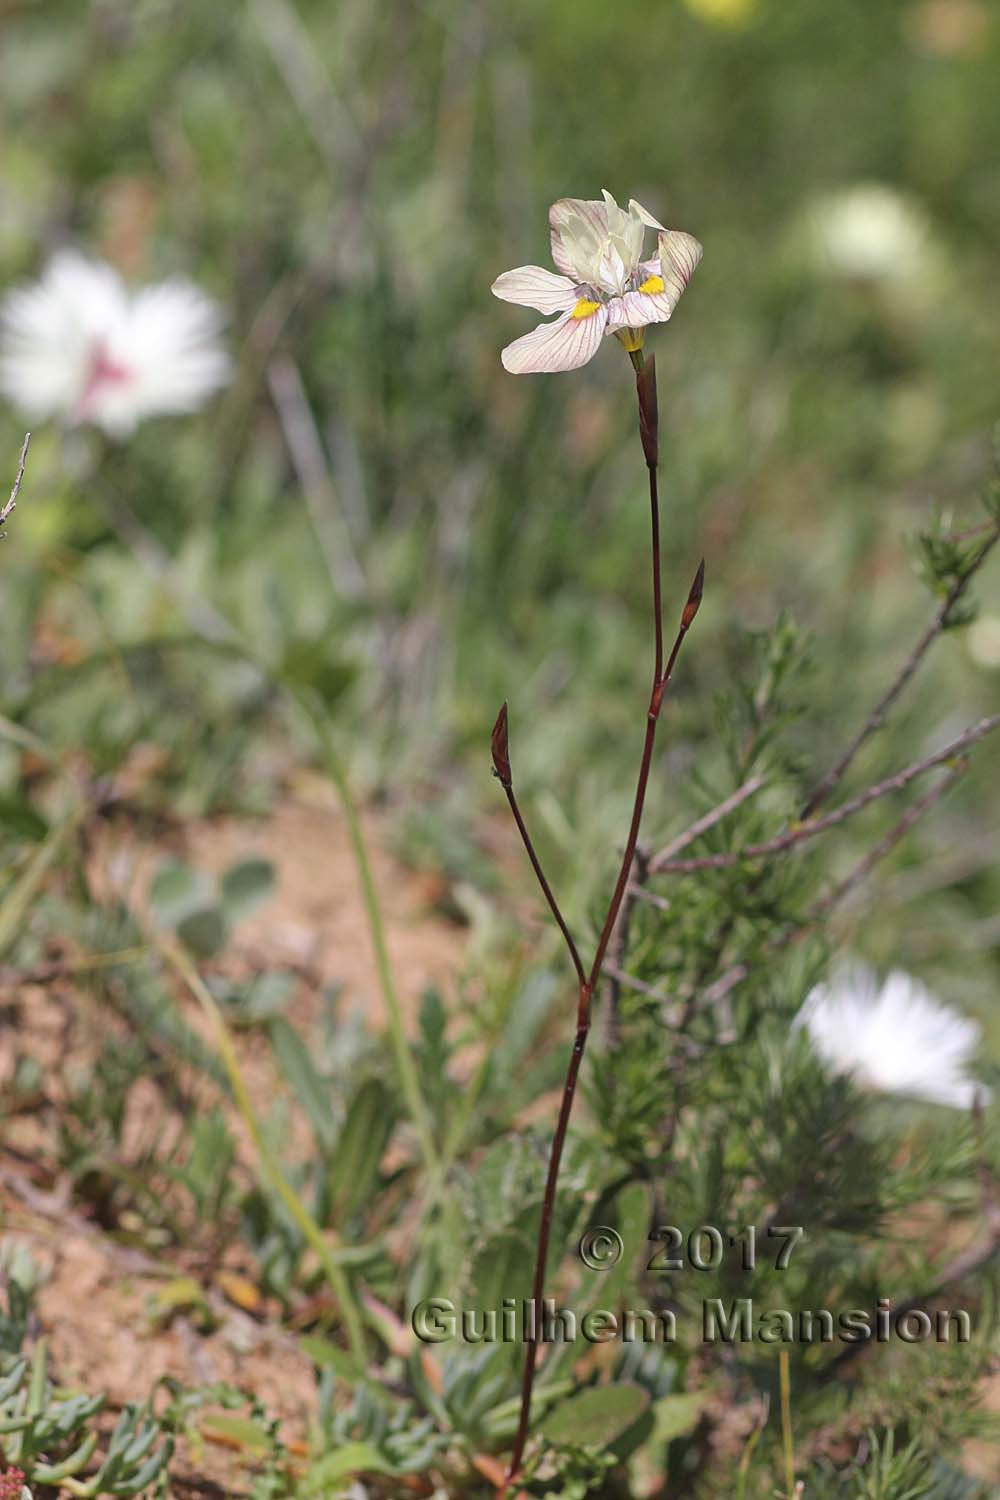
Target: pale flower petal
[680,254]
[895,1037]
[579,227]
[176,328]
[636,208]
[639,309]
[47,330]
[593,211]
[78,345]
[533,286]
[673,268]
[566,344]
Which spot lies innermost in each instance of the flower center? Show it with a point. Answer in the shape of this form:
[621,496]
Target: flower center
[584,308]
[653,284]
[102,371]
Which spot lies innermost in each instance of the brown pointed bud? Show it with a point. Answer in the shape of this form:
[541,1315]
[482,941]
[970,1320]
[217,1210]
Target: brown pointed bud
[649,420]
[500,749]
[694,597]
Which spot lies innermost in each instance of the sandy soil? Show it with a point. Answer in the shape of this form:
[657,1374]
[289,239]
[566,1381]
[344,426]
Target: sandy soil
[101,1303]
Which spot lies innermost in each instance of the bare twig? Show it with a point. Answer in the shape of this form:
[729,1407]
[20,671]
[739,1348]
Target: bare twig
[705,823]
[630,982]
[736,973]
[642,893]
[878,714]
[12,502]
[886,844]
[797,834]
[726,982]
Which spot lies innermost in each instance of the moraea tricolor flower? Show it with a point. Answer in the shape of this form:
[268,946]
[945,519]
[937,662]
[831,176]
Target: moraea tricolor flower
[605,285]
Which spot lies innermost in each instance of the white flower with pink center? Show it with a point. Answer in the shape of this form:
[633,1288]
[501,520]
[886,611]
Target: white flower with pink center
[78,344]
[605,286]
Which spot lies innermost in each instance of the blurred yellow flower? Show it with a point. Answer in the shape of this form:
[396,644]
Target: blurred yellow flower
[722,12]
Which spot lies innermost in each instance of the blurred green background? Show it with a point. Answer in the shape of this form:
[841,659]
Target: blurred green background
[377,502]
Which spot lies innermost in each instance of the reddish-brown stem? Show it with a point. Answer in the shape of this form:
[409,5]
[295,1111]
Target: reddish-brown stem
[654,510]
[546,888]
[501,767]
[652,715]
[545,1229]
[646,391]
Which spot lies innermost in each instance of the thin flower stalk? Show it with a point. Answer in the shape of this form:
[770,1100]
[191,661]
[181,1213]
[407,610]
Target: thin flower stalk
[589,978]
[604,287]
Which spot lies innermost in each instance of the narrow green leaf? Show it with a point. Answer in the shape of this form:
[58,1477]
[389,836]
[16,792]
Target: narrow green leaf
[361,1145]
[310,1087]
[353,1458]
[502,1268]
[242,1430]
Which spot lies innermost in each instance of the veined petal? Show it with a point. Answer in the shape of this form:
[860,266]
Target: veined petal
[679,257]
[638,309]
[584,218]
[533,286]
[594,211]
[617,217]
[664,281]
[566,344]
[635,207]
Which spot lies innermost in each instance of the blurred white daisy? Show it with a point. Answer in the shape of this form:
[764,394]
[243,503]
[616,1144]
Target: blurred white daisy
[895,1037]
[79,345]
[871,232]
